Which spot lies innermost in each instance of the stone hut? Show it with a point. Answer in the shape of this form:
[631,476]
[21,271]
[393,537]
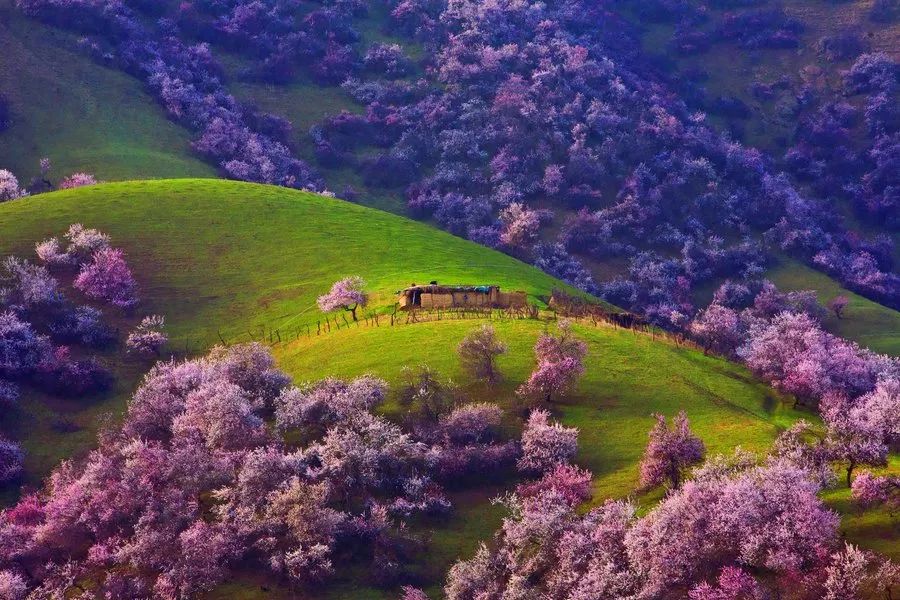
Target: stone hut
[459,296]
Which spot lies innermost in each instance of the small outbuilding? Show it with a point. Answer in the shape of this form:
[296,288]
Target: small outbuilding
[459,296]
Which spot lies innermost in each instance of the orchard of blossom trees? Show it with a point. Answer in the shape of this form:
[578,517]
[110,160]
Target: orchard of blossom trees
[737,530]
[46,339]
[196,481]
[781,340]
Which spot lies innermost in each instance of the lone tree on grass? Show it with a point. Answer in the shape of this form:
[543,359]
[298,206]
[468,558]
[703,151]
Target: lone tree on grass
[670,452]
[348,294]
[560,362]
[838,305]
[478,352]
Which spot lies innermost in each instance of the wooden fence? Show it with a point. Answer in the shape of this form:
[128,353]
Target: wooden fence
[275,335]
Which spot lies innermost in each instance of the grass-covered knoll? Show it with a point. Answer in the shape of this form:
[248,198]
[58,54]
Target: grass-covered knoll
[868,323]
[221,257]
[83,116]
[224,258]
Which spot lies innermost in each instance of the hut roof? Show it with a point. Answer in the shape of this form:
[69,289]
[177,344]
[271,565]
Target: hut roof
[448,289]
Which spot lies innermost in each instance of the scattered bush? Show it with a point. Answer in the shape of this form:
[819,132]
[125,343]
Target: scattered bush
[77,180]
[149,337]
[478,352]
[11,460]
[107,277]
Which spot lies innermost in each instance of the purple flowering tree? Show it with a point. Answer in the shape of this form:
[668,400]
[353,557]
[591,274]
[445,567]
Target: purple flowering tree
[347,294]
[670,452]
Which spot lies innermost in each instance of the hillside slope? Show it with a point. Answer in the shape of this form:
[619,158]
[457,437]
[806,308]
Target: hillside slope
[233,261]
[83,116]
[224,258]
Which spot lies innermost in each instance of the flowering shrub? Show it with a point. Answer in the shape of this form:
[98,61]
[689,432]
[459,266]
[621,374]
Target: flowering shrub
[9,186]
[546,445]
[148,337]
[77,180]
[22,350]
[107,277]
[28,285]
[82,325]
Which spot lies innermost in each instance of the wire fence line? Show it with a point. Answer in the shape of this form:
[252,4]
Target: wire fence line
[281,334]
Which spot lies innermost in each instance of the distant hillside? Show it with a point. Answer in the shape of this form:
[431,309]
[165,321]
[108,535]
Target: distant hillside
[83,116]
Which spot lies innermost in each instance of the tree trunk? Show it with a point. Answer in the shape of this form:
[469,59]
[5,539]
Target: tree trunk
[352,310]
[850,468]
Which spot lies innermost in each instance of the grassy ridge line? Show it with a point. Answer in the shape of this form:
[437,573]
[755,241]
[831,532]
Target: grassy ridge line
[221,256]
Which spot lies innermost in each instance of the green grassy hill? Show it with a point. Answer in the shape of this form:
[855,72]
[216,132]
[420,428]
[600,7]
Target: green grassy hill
[230,260]
[233,261]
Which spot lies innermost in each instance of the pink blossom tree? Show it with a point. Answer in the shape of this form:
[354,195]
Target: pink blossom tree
[871,490]
[847,574]
[669,452]
[520,226]
[478,352]
[13,586]
[717,328]
[571,482]
[107,277]
[546,445]
[328,402]
[347,294]
[838,305]
[854,442]
[77,180]
[560,363]
[9,186]
[148,337]
[472,423]
[29,284]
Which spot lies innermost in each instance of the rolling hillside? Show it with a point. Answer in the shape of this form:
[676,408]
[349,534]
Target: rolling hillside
[234,261]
